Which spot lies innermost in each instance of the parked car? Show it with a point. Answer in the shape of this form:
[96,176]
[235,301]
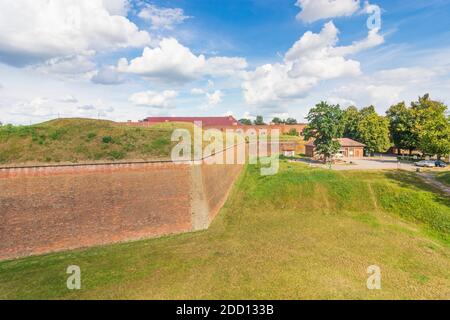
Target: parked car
[440,164]
[425,163]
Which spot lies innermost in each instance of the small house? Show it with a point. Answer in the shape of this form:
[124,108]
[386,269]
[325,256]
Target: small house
[350,149]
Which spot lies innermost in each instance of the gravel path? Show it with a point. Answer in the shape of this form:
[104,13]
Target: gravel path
[431,180]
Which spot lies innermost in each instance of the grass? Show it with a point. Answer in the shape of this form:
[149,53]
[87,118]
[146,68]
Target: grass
[83,140]
[444,177]
[301,234]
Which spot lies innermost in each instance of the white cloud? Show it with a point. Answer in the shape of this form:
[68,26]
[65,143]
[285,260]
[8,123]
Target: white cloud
[163,18]
[107,75]
[68,65]
[387,87]
[174,63]
[117,7]
[197,91]
[215,98]
[36,107]
[313,10]
[160,100]
[38,30]
[313,58]
[69,99]
[225,66]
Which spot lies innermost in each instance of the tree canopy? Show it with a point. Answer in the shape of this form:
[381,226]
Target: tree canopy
[259,121]
[325,126]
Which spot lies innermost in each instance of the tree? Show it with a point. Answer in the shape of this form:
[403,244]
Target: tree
[431,126]
[401,127]
[277,120]
[246,122]
[325,127]
[373,130]
[259,121]
[291,121]
[351,119]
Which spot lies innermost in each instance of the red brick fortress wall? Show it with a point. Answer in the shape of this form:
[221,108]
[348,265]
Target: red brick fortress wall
[47,209]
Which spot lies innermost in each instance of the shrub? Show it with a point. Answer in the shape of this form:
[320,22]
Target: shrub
[107,139]
[117,154]
[92,135]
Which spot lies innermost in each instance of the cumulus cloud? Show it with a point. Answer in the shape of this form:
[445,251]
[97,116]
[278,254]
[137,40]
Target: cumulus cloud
[36,107]
[387,87]
[313,58]
[215,98]
[117,7]
[38,30]
[162,18]
[174,63]
[159,100]
[107,75]
[313,10]
[68,99]
[68,65]
[197,91]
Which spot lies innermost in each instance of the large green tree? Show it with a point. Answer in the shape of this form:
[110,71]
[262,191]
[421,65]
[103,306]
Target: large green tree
[259,121]
[351,120]
[325,125]
[291,121]
[432,126]
[373,130]
[402,124]
[277,120]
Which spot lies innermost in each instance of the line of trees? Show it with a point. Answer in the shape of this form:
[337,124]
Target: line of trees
[259,121]
[424,126]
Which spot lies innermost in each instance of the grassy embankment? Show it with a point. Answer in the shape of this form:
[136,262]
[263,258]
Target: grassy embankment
[444,177]
[84,140]
[303,233]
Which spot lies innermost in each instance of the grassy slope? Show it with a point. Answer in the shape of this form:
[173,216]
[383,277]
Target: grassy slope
[444,177]
[304,233]
[77,140]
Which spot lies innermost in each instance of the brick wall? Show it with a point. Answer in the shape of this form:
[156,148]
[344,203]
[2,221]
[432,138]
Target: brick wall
[58,208]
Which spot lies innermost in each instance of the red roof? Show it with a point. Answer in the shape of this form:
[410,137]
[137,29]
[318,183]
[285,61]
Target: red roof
[345,142]
[206,121]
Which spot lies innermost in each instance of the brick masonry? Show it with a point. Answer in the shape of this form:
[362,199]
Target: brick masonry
[48,209]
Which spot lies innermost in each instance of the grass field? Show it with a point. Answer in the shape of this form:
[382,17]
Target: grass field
[444,177]
[79,140]
[301,234]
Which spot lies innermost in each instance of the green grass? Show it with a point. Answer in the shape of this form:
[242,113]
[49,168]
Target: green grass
[80,140]
[301,234]
[444,177]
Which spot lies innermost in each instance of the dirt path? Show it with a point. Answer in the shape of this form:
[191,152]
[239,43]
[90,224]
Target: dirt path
[431,180]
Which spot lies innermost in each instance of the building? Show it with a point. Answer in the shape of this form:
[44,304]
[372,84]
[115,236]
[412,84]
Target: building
[350,149]
[288,150]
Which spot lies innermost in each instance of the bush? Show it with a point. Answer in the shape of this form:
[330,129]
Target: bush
[92,135]
[117,154]
[107,139]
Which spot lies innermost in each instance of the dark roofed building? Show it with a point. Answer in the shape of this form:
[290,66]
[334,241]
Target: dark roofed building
[214,122]
[349,148]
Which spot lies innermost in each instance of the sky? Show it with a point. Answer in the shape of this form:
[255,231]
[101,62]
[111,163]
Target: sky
[130,59]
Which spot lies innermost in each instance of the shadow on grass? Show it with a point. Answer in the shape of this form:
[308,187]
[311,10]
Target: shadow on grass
[412,181]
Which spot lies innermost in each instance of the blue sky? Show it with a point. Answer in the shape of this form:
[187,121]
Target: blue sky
[126,60]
